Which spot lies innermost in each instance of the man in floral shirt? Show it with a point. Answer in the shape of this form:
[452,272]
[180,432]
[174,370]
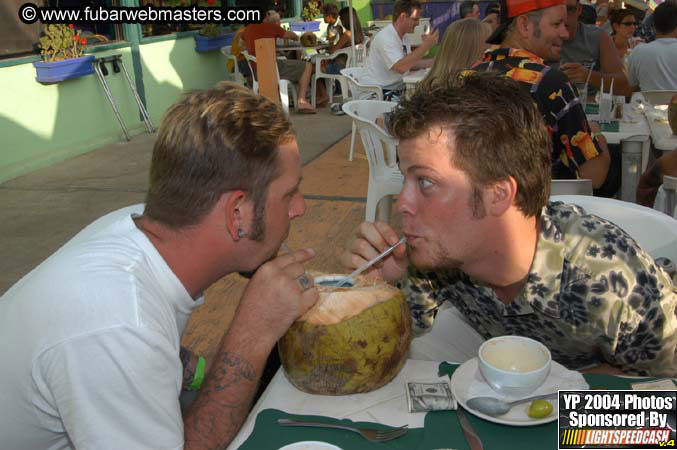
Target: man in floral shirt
[482,235]
[532,32]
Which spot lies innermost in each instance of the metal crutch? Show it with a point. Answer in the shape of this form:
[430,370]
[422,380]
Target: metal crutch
[97,68]
[144,113]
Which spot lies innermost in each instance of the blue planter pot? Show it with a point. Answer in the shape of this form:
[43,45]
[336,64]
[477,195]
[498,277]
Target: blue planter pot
[305,26]
[53,72]
[207,44]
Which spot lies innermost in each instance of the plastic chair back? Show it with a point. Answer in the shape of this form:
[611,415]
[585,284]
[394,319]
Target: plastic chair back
[571,187]
[252,59]
[358,89]
[670,188]
[385,177]
[235,74]
[284,85]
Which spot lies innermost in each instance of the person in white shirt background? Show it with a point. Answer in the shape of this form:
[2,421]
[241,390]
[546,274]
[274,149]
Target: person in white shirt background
[387,60]
[653,66]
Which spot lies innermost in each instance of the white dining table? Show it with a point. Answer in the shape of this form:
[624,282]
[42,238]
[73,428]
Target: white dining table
[451,339]
[387,405]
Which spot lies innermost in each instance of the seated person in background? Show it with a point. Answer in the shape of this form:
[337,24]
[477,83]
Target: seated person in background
[587,45]
[330,14]
[653,66]
[469,9]
[491,16]
[294,70]
[236,50]
[530,34]
[387,60]
[97,365]
[482,235]
[623,24]
[344,41]
[462,46]
[652,179]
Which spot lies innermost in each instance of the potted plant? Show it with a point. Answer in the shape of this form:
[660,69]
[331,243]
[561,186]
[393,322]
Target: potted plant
[62,58]
[212,36]
[310,12]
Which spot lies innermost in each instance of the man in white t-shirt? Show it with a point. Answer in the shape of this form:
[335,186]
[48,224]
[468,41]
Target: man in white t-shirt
[653,66]
[387,60]
[89,340]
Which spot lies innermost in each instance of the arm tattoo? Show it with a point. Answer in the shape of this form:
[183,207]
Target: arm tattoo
[225,398]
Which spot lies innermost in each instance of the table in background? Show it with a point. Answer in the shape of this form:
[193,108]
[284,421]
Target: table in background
[634,137]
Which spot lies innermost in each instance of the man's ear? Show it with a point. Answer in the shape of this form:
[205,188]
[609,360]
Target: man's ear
[502,196]
[237,210]
[523,24]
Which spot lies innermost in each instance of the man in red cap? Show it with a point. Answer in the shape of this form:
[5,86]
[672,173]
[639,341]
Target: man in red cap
[532,32]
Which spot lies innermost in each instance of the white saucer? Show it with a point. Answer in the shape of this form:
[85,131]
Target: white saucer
[310,445]
[517,416]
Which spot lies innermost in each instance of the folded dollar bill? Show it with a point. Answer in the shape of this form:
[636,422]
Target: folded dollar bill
[423,396]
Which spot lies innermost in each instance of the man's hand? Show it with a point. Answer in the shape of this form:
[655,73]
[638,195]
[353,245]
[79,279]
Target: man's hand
[429,40]
[370,240]
[575,71]
[277,295]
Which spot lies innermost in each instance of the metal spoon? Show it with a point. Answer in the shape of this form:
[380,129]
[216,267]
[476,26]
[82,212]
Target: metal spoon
[496,407]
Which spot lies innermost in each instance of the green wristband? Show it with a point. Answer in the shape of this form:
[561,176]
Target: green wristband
[199,374]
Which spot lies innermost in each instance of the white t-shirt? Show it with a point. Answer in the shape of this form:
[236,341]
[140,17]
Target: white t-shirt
[89,344]
[386,49]
[653,66]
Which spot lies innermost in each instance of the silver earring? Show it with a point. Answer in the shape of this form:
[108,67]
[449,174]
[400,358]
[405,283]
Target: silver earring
[241,233]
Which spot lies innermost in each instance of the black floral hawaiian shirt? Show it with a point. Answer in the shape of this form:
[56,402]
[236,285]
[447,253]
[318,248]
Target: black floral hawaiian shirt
[556,100]
[592,296]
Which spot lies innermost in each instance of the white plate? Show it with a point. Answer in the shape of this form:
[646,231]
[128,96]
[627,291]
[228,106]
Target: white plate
[517,416]
[310,445]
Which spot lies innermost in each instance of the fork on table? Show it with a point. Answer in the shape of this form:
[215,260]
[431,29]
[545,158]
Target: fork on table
[370,434]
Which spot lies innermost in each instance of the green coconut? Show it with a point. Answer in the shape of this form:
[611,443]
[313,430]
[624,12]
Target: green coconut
[353,340]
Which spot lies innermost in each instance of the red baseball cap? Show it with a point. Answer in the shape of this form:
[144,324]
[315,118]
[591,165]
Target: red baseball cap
[513,8]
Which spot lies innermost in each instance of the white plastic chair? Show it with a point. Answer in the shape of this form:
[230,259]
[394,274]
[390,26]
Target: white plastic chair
[385,177]
[236,75]
[360,53]
[655,232]
[250,59]
[331,78]
[659,97]
[285,86]
[666,196]
[582,186]
[359,91]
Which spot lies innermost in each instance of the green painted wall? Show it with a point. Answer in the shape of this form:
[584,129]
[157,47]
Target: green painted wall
[42,124]
[173,67]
